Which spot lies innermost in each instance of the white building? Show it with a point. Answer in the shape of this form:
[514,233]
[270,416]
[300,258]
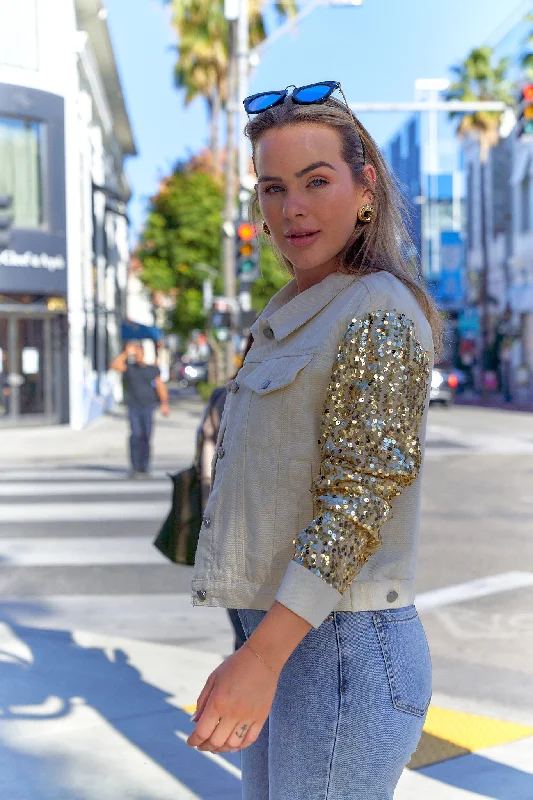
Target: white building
[64,135]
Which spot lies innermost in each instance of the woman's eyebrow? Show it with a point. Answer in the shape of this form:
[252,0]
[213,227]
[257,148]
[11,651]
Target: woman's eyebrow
[311,167]
[301,173]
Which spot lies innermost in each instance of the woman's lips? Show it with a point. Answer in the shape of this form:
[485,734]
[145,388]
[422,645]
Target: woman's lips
[302,239]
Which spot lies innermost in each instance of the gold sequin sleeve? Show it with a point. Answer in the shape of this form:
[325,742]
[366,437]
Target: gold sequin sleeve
[370,448]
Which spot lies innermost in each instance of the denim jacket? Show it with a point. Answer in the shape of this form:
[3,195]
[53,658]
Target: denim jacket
[316,475]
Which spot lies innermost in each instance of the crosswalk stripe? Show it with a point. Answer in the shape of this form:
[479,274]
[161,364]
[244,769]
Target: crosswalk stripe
[481,587]
[83,512]
[86,551]
[27,489]
[93,474]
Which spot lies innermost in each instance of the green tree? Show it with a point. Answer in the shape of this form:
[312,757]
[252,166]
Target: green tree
[477,78]
[180,244]
[526,59]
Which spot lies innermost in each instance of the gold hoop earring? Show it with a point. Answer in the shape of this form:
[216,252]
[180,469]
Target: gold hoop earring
[266,229]
[366,213]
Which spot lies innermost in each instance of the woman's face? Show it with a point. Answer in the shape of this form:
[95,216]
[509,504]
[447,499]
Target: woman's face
[308,197]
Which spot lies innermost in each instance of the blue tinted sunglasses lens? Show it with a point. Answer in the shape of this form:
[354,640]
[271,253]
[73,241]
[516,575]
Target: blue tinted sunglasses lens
[262,102]
[312,93]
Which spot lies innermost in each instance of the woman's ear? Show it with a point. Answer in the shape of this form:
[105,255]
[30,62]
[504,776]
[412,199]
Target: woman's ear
[370,174]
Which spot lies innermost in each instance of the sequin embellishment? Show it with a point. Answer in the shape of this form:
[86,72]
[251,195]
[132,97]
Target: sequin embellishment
[370,448]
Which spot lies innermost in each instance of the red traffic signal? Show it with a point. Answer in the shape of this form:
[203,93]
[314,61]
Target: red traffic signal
[526,110]
[246,231]
[527,93]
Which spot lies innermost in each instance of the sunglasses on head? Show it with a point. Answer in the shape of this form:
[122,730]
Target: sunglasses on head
[313,93]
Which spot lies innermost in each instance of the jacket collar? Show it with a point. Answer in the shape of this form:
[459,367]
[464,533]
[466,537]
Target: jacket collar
[288,310]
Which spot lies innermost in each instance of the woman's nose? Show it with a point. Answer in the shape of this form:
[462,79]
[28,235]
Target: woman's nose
[294,206]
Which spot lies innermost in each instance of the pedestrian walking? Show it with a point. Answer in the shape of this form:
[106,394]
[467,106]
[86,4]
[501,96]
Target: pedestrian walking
[144,389]
[311,526]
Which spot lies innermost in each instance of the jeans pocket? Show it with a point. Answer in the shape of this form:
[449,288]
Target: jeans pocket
[407,659]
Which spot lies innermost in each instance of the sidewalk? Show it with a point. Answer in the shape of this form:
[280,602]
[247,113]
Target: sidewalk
[103,443]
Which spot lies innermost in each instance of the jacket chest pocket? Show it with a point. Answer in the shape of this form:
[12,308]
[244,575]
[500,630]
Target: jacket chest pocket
[273,389]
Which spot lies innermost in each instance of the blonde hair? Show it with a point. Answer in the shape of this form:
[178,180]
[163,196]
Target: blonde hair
[382,244]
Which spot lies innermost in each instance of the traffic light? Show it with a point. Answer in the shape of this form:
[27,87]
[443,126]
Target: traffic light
[247,254]
[6,220]
[525,119]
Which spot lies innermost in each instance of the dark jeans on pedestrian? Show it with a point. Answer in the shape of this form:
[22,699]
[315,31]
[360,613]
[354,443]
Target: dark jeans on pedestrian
[141,423]
[238,630]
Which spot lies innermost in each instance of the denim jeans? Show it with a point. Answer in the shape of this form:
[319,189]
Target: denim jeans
[141,423]
[349,710]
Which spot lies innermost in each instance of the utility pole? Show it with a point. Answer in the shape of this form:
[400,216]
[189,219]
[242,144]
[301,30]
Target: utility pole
[243,59]
[228,227]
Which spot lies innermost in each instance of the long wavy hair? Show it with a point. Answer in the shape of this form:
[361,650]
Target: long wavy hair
[382,244]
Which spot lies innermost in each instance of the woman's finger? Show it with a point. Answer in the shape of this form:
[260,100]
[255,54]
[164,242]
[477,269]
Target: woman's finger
[204,697]
[238,735]
[250,737]
[220,735]
[204,727]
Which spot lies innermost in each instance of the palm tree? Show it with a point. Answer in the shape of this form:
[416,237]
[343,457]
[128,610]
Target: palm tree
[526,59]
[203,61]
[478,79]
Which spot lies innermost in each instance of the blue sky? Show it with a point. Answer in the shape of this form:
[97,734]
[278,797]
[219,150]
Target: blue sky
[376,50]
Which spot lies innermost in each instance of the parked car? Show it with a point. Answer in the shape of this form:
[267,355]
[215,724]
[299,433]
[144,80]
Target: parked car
[191,374]
[444,382]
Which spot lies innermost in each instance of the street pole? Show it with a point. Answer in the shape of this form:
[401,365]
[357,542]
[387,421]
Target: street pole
[243,60]
[228,228]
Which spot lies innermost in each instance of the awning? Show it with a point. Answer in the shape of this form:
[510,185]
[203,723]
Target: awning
[135,330]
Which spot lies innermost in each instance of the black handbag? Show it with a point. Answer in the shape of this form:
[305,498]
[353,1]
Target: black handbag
[178,537]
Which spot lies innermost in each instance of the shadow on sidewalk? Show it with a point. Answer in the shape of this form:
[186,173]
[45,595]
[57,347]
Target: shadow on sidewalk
[483,776]
[62,675]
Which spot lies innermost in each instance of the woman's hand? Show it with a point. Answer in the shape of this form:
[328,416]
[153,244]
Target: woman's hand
[234,704]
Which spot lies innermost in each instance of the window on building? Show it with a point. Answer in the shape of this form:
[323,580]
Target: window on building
[525,203]
[20,172]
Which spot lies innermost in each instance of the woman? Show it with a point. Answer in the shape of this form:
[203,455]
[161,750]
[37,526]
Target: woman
[311,527]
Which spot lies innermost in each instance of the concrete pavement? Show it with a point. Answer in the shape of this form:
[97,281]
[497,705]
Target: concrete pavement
[100,650]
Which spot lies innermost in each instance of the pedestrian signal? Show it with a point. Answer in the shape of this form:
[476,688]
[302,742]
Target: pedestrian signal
[247,255]
[526,110]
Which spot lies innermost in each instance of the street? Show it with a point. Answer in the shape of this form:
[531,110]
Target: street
[102,656]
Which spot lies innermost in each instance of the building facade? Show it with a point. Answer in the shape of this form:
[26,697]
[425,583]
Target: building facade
[428,162]
[500,208]
[64,136]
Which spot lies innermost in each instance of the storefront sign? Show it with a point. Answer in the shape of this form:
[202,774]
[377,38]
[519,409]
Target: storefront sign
[9,258]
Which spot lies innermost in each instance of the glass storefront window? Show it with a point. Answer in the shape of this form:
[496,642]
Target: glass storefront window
[20,169]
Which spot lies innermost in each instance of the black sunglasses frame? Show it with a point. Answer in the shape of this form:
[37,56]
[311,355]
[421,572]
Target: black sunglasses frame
[283,93]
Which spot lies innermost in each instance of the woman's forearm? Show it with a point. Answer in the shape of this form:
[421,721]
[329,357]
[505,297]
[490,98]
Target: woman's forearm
[279,633]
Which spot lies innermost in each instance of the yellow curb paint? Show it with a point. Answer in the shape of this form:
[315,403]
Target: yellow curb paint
[471,731]
[448,734]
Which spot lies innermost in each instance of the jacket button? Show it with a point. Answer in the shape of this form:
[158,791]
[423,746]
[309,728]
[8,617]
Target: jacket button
[201,594]
[265,384]
[236,387]
[221,452]
[207,521]
[392,596]
[268,332]
[233,387]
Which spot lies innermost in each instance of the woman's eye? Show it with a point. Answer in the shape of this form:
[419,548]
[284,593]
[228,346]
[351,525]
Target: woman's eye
[318,182]
[273,189]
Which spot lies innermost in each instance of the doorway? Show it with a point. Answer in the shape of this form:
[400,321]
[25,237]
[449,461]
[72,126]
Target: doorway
[30,369]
